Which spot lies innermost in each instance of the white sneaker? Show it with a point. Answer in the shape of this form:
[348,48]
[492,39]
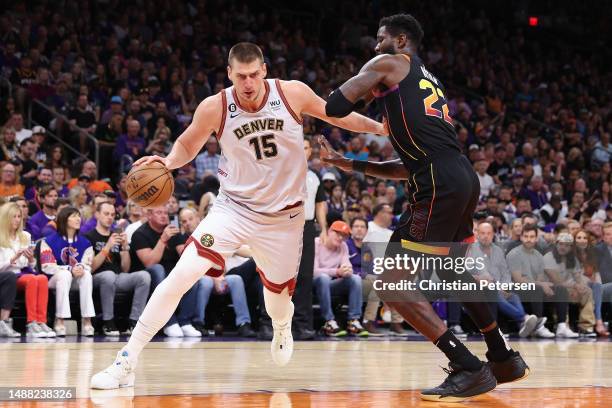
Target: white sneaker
[174,330]
[190,331]
[118,374]
[528,326]
[543,333]
[6,329]
[34,330]
[46,329]
[564,331]
[87,330]
[60,331]
[282,342]
[457,330]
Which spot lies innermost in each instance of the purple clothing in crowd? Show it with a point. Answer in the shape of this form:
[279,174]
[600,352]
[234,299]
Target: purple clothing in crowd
[36,223]
[125,145]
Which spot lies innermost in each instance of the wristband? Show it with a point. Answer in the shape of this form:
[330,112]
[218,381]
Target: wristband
[360,166]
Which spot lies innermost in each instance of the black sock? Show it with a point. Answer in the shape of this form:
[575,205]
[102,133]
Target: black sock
[456,352]
[499,350]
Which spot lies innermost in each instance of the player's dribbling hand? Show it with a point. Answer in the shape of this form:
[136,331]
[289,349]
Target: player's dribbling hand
[330,156]
[151,159]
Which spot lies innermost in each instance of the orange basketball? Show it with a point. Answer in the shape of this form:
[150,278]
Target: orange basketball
[150,185]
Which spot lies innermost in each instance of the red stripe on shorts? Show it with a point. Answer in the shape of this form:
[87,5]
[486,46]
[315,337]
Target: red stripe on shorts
[277,287]
[210,255]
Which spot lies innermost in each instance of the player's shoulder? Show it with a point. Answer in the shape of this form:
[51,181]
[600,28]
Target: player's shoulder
[291,85]
[383,62]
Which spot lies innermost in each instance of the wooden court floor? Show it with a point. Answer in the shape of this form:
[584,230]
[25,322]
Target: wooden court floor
[367,373]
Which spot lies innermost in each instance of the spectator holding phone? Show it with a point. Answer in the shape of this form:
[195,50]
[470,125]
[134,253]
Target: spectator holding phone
[155,246]
[17,259]
[66,257]
[111,269]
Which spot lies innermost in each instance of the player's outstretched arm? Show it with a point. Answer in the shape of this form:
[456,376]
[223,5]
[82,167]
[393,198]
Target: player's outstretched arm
[355,92]
[303,100]
[390,170]
[206,120]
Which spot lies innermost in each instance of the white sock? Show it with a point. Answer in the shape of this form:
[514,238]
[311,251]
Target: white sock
[278,305]
[188,270]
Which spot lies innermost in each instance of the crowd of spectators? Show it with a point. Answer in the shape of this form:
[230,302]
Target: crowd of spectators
[531,106]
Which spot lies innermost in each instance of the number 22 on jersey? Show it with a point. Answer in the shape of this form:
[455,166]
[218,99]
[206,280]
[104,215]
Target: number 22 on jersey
[429,101]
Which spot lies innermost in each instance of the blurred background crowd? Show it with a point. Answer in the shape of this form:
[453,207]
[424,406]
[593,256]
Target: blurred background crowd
[87,87]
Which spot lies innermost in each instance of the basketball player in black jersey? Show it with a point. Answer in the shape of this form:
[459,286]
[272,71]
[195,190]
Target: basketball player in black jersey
[444,194]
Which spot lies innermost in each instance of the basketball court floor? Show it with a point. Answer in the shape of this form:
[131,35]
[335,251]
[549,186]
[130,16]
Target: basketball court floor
[332,373]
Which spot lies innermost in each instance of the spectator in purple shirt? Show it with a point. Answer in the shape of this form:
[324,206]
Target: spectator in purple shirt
[48,198]
[131,143]
[535,193]
[43,178]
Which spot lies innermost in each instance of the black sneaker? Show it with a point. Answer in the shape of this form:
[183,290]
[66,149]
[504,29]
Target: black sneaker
[199,326]
[303,334]
[244,330]
[265,332]
[461,384]
[109,328]
[130,328]
[331,328]
[512,369]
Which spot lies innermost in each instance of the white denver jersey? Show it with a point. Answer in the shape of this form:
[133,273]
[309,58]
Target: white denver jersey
[262,163]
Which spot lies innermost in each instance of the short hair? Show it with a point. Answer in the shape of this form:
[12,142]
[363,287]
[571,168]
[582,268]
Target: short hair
[245,52]
[403,24]
[379,208]
[607,225]
[529,227]
[359,219]
[46,189]
[99,205]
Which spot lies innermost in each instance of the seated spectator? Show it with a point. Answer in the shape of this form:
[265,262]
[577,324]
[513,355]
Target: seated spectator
[51,226]
[208,160]
[111,270]
[563,269]
[378,234]
[535,193]
[43,178]
[130,144]
[588,257]
[66,257]
[336,202]
[526,265]
[58,178]
[156,246]
[553,211]
[210,189]
[90,169]
[78,197]
[91,223]
[48,201]
[25,159]
[8,144]
[333,275]
[9,185]
[136,216]
[496,270]
[17,257]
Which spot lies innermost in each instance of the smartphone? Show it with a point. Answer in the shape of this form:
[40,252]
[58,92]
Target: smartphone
[116,229]
[174,222]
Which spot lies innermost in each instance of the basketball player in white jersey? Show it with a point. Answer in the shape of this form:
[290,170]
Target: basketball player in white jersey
[262,174]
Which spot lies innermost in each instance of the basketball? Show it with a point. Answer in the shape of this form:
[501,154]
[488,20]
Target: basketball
[150,185]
